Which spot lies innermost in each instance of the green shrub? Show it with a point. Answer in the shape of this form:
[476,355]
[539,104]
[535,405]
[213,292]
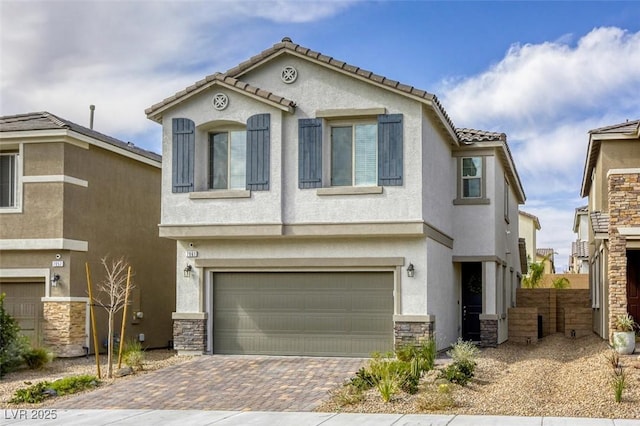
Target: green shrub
[42,390]
[133,355]
[462,369]
[36,358]
[363,380]
[464,351]
[12,343]
[618,383]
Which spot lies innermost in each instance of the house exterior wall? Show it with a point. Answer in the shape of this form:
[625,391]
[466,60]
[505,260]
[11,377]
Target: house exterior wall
[527,230]
[79,204]
[288,228]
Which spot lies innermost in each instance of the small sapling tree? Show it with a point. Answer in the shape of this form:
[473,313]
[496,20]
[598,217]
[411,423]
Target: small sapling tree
[114,290]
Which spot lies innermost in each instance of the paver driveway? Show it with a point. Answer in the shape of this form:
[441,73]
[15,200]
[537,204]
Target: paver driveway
[221,382]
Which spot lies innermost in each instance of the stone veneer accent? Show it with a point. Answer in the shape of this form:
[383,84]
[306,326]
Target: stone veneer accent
[64,328]
[412,332]
[489,332]
[190,335]
[624,211]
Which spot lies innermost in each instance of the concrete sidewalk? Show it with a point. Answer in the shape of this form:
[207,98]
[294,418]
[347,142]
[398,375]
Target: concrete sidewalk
[24,417]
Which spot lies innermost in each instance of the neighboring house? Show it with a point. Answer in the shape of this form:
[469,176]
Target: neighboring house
[528,226]
[611,180]
[546,256]
[70,195]
[321,209]
[579,262]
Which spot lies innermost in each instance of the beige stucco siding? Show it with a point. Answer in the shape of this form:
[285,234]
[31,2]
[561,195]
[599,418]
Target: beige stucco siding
[614,154]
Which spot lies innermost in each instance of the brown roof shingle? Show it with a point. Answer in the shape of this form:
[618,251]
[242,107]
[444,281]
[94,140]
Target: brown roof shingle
[600,222]
[47,121]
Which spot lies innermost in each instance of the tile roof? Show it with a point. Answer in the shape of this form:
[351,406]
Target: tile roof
[628,130]
[286,45]
[580,248]
[46,121]
[473,135]
[600,222]
[545,252]
[626,127]
[227,80]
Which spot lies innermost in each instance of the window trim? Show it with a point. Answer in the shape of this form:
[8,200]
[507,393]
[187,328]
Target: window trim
[460,199]
[17,184]
[507,189]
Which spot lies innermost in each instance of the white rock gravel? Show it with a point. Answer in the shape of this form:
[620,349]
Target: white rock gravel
[558,376]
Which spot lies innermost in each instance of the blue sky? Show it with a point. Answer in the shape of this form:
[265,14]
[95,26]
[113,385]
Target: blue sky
[545,73]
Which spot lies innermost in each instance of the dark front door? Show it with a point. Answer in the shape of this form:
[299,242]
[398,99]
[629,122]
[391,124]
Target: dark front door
[633,284]
[471,300]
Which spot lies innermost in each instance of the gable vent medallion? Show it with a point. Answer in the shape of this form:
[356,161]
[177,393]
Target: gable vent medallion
[289,74]
[220,101]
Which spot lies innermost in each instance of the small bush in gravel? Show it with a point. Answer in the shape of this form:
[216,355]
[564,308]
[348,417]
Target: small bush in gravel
[618,383]
[461,370]
[346,395]
[438,399]
[42,390]
[37,358]
[133,355]
[363,380]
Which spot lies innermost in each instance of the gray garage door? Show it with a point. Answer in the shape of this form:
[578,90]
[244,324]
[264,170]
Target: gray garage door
[322,314]
[23,303]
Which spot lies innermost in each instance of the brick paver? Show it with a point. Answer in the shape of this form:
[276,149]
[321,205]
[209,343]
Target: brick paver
[220,382]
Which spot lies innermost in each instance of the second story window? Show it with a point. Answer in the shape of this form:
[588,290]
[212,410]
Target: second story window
[228,160]
[472,177]
[354,156]
[8,180]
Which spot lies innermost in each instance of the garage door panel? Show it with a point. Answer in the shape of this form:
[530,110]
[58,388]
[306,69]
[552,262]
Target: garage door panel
[336,313]
[23,303]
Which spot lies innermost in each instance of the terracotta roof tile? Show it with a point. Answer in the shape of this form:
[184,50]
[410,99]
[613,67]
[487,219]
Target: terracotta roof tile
[600,222]
[47,121]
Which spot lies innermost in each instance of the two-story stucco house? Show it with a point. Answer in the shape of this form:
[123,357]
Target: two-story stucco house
[321,209]
[71,195]
[611,180]
[579,262]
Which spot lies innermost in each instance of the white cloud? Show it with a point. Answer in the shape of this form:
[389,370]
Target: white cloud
[62,56]
[537,83]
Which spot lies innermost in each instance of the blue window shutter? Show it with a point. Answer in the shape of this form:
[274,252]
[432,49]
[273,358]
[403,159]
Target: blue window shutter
[184,144]
[309,153]
[258,152]
[390,141]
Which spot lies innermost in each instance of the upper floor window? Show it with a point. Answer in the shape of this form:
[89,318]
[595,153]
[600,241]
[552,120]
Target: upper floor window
[363,153]
[228,160]
[8,180]
[471,181]
[471,177]
[237,159]
[506,199]
[354,155]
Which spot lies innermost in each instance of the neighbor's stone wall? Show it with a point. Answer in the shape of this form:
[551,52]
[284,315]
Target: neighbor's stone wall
[523,325]
[190,335]
[64,329]
[578,322]
[414,333]
[624,211]
[545,300]
[569,298]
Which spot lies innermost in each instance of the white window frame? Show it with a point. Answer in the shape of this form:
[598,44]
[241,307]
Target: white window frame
[210,165]
[353,124]
[507,188]
[17,180]
[463,178]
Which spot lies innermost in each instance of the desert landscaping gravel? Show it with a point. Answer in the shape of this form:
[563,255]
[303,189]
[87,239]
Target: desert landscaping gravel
[558,376]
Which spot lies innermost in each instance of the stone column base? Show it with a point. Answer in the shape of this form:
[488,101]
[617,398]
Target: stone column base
[190,333]
[64,329]
[488,331]
[413,329]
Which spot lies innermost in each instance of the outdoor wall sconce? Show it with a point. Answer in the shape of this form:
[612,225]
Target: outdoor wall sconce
[54,280]
[187,271]
[411,270]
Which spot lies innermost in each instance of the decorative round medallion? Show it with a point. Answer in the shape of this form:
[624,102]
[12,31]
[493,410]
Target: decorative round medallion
[289,74]
[220,101]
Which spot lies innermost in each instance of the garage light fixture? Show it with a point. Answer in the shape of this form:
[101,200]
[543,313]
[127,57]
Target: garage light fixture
[54,280]
[411,270]
[187,271]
